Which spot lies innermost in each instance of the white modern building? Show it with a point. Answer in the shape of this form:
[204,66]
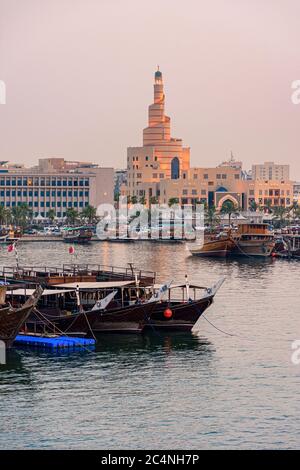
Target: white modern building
[55,184]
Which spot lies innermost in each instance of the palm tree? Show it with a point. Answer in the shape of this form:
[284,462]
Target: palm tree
[133,200]
[294,210]
[268,206]
[230,209]
[5,215]
[279,214]
[21,215]
[51,215]
[89,213]
[211,216]
[153,200]
[253,206]
[173,200]
[71,215]
[142,200]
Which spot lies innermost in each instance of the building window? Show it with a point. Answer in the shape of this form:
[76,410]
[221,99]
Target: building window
[185,192]
[194,191]
[237,176]
[224,177]
[205,176]
[175,169]
[195,176]
[218,176]
[203,192]
[154,175]
[146,158]
[161,175]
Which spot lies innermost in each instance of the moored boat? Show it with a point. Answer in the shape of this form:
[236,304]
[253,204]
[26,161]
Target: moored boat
[12,319]
[254,239]
[175,314]
[79,235]
[214,245]
[69,273]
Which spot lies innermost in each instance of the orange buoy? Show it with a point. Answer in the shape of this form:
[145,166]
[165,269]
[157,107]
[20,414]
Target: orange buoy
[168,313]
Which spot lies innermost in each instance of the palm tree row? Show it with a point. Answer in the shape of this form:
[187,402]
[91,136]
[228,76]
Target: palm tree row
[22,215]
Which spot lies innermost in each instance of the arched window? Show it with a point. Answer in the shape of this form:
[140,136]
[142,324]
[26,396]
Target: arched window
[175,168]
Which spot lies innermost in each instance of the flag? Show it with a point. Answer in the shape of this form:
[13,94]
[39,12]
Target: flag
[71,250]
[11,247]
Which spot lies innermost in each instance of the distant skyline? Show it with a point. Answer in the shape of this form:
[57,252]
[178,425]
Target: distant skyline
[79,78]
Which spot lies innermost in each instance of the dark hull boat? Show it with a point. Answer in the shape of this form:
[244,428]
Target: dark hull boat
[131,319]
[12,319]
[182,316]
[79,235]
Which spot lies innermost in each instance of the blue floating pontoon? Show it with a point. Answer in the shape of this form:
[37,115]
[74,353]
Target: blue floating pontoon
[55,342]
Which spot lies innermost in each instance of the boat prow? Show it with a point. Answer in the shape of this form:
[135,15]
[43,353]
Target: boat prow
[211,291]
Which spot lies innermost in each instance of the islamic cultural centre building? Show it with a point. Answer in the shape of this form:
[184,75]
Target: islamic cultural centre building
[160,171]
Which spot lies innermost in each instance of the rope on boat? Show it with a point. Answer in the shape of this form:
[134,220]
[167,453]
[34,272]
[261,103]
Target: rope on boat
[58,329]
[219,329]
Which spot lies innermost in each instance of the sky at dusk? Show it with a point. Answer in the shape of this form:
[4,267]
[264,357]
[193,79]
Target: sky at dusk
[79,78]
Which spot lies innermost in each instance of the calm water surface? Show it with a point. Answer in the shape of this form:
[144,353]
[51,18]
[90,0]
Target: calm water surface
[204,390]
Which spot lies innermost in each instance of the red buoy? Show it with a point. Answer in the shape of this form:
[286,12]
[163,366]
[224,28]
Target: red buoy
[168,313]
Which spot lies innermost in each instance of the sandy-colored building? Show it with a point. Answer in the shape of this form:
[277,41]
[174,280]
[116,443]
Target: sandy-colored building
[270,171]
[160,170]
[161,156]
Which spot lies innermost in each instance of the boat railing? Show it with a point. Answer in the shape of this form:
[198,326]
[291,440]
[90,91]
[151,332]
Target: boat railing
[68,270]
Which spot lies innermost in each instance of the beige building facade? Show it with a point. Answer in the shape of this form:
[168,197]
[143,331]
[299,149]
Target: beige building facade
[160,170]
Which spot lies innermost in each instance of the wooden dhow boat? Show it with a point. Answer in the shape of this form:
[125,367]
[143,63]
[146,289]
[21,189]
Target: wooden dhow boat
[81,235]
[88,308]
[254,239]
[69,273]
[214,245]
[182,306]
[12,319]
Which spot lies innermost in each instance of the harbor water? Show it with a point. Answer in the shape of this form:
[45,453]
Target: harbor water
[234,388]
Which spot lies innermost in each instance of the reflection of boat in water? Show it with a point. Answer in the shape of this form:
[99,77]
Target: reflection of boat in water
[77,235]
[214,245]
[12,319]
[254,239]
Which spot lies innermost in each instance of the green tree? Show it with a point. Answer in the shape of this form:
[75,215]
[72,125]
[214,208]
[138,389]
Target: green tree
[268,206]
[230,209]
[142,200]
[173,200]
[280,213]
[71,215]
[21,215]
[253,206]
[133,200]
[89,213]
[51,215]
[153,200]
[211,216]
[5,215]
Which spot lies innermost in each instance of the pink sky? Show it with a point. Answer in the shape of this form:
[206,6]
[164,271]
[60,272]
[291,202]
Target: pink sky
[79,77]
